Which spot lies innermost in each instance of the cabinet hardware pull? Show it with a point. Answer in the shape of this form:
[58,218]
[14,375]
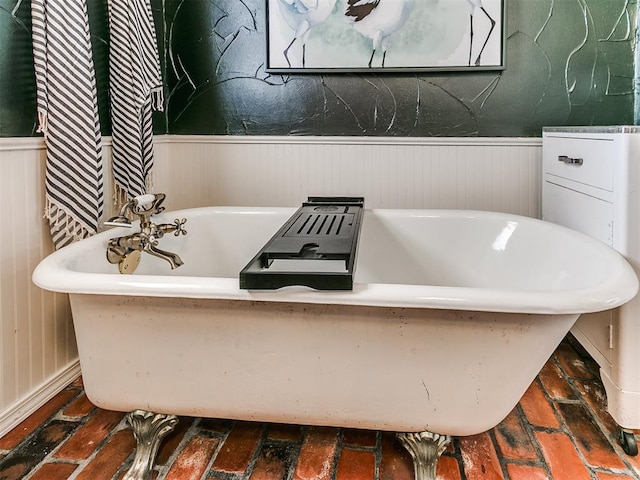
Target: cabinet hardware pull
[569,160]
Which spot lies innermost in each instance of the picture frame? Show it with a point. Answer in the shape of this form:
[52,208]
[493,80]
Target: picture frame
[377,36]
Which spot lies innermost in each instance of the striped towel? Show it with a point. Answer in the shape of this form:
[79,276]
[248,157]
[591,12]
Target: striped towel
[135,86]
[68,117]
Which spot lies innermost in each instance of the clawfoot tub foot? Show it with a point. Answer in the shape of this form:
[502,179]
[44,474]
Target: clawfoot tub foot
[425,449]
[149,429]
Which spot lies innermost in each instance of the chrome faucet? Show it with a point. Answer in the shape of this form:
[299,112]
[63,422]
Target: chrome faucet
[125,251]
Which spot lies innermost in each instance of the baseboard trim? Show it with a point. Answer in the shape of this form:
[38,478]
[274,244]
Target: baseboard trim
[29,403]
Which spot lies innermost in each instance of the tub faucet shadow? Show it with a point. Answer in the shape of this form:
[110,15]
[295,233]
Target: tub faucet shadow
[125,251]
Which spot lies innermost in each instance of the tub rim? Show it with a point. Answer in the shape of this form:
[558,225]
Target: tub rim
[620,287]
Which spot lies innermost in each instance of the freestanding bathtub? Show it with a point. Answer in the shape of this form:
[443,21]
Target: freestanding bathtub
[452,315]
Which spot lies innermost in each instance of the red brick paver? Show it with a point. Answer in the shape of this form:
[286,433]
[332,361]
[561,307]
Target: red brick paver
[279,431]
[555,383]
[537,409]
[172,440]
[361,438]
[272,463]
[514,440]
[238,449]
[29,425]
[317,454]
[54,471]
[448,468]
[591,442]
[612,476]
[356,465]
[193,460]
[479,458]
[572,364]
[89,436]
[110,458]
[80,407]
[526,472]
[561,456]
[396,462]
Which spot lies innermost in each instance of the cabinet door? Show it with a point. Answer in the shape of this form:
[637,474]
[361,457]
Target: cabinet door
[584,213]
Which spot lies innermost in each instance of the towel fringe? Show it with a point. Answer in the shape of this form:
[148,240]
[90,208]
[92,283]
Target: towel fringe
[120,196]
[61,220]
[150,183]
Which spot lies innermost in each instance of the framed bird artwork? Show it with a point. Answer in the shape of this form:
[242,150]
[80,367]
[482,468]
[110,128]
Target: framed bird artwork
[385,35]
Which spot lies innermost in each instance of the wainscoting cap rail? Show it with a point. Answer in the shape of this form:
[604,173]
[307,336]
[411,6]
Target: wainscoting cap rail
[29,143]
[10,144]
[352,140]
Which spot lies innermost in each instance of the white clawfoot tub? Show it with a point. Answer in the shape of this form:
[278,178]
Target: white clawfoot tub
[452,315]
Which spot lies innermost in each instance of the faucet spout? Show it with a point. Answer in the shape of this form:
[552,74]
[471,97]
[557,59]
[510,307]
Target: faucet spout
[173,258]
[119,249]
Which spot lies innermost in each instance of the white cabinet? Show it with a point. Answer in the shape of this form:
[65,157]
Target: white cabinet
[591,183]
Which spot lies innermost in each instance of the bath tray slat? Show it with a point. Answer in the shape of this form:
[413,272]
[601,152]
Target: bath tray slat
[316,248]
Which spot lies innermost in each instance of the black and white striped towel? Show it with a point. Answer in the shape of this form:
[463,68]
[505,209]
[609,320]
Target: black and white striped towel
[68,117]
[135,86]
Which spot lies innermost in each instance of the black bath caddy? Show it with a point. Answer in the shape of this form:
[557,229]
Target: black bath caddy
[316,248]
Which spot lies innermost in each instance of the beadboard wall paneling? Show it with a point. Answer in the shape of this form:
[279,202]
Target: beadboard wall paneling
[37,341]
[184,172]
[38,354]
[498,174]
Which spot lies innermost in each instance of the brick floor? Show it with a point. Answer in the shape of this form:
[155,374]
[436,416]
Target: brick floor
[560,430]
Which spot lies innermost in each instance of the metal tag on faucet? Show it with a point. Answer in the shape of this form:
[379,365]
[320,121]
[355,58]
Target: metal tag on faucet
[130,262]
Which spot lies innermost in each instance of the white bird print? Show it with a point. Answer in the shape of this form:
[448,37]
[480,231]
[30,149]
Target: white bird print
[378,20]
[473,5]
[302,16]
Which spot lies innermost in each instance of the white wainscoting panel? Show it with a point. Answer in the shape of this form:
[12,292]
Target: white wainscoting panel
[37,341]
[184,172]
[498,174]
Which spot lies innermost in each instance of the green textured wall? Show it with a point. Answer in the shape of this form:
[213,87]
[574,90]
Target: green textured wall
[17,81]
[17,90]
[569,62]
